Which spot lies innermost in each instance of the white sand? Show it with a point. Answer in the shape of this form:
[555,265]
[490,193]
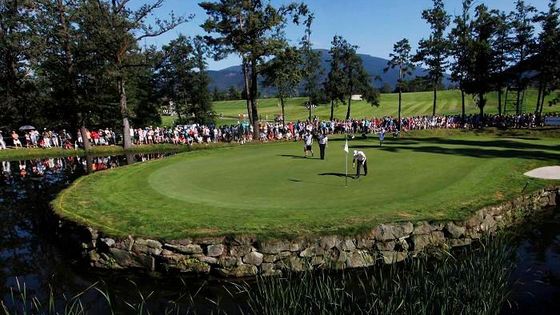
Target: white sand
[548,172]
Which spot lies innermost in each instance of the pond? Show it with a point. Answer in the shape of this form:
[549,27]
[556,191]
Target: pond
[32,264]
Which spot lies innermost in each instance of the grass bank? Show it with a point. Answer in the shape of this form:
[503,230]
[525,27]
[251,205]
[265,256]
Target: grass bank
[272,191]
[413,104]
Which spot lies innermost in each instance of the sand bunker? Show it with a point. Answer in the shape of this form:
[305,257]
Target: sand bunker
[548,172]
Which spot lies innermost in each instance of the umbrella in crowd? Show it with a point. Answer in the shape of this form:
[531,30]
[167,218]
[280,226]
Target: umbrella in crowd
[26,128]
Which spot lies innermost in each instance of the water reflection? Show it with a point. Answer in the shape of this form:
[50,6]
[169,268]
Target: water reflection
[537,276]
[27,251]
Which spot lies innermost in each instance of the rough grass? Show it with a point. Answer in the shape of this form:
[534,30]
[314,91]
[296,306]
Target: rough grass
[271,191]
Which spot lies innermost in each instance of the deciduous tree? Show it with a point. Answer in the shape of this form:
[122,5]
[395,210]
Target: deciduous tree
[119,29]
[17,53]
[285,72]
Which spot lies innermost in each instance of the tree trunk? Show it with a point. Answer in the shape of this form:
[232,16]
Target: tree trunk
[332,109]
[481,104]
[349,106]
[253,95]
[247,88]
[89,163]
[518,100]
[399,112]
[544,94]
[435,100]
[351,90]
[462,106]
[283,113]
[127,143]
[500,101]
[85,140]
[539,95]
[130,159]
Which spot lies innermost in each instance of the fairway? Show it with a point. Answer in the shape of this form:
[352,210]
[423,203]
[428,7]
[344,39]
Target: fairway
[270,190]
[413,104]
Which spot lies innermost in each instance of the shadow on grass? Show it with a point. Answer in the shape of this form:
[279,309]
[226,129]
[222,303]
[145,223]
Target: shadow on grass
[473,148]
[299,157]
[479,152]
[298,181]
[337,175]
[509,144]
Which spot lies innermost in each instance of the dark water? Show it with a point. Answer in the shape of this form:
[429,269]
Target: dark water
[31,258]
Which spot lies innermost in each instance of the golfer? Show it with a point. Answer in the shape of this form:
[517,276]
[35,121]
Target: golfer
[362,162]
[308,143]
[323,141]
[381,136]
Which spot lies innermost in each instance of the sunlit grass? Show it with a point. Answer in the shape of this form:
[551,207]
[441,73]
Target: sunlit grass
[272,191]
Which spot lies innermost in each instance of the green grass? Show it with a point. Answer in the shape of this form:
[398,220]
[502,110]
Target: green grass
[167,121]
[418,103]
[271,191]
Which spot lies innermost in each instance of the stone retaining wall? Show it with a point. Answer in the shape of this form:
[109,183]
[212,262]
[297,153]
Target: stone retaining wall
[248,256]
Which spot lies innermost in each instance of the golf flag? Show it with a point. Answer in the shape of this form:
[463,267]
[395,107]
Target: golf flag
[346,163]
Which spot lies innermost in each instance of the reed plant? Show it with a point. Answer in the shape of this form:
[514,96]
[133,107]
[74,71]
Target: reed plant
[474,280]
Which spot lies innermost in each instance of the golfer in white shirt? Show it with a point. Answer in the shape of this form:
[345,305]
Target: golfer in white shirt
[362,162]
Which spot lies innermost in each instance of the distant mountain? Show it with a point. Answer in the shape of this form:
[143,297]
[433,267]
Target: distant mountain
[233,76]
[225,78]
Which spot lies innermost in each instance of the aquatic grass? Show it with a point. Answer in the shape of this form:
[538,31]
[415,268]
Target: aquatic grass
[471,281]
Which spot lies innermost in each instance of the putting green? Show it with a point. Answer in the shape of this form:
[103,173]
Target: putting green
[271,190]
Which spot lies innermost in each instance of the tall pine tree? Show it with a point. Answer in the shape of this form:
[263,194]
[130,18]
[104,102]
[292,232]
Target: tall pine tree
[433,51]
[459,40]
[522,45]
[400,59]
[548,50]
[254,30]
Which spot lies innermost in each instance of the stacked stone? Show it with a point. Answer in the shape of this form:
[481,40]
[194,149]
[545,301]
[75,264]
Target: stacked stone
[247,256]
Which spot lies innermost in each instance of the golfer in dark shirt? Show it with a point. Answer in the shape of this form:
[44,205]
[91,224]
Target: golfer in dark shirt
[323,141]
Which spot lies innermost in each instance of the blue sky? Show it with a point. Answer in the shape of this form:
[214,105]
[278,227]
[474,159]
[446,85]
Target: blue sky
[373,25]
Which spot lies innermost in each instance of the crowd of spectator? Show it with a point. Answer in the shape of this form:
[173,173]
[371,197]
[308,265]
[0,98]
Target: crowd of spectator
[268,131]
